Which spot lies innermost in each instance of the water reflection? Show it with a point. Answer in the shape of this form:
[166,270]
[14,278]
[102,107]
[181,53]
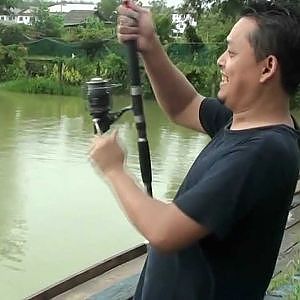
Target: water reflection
[12,245]
[52,202]
[12,224]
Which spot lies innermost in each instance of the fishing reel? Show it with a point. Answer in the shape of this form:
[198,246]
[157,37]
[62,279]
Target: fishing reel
[100,104]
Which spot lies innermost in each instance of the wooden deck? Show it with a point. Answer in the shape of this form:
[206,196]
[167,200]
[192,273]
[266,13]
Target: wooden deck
[97,278]
[118,283]
[116,278]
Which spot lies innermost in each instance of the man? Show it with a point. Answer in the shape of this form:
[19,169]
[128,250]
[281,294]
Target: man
[220,237]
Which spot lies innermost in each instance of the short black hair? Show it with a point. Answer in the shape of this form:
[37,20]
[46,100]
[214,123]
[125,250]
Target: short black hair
[278,34]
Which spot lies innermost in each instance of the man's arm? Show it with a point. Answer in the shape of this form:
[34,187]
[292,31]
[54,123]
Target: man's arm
[164,225]
[175,94]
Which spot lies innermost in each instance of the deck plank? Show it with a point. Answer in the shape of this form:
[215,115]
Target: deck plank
[104,282]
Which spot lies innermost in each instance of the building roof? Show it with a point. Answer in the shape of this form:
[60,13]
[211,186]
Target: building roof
[76,17]
[67,7]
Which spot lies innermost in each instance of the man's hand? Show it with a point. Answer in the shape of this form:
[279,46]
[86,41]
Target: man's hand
[106,154]
[135,23]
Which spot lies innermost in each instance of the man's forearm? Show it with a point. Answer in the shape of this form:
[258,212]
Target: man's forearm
[146,213]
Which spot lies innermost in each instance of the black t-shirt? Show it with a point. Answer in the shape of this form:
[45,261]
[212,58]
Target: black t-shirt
[240,187]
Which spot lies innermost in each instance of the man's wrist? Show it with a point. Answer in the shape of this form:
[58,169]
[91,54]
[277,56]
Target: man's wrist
[113,173]
[155,45]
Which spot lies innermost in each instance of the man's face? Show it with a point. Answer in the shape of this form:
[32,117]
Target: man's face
[239,69]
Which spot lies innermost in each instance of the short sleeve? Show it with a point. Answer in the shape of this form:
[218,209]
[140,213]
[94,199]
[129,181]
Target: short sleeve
[230,188]
[213,115]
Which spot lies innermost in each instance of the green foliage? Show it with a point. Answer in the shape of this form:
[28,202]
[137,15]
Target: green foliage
[159,6]
[113,67]
[12,63]
[47,24]
[229,8]
[105,57]
[193,38]
[13,34]
[193,7]
[36,69]
[94,29]
[106,9]
[288,281]
[295,101]
[7,4]
[164,26]
[93,35]
[214,28]
[204,78]
[41,85]
[76,71]
[293,3]
[162,17]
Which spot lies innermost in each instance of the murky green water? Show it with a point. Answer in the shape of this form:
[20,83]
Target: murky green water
[57,216]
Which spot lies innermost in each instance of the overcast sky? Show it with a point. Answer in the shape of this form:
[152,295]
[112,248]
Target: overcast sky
[173,2]
[169,2]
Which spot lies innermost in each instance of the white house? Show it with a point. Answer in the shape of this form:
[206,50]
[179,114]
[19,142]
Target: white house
[181,22]
[4,18]
[18,16]
[25,16]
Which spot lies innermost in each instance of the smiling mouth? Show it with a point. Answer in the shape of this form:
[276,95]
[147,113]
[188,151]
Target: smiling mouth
[224,79]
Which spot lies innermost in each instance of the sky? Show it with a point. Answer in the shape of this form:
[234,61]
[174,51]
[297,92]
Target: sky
[173,2]
[169,2]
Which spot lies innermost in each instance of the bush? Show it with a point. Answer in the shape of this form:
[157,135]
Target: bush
[41,85]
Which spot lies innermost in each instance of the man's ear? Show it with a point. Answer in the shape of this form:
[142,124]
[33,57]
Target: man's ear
[269,68]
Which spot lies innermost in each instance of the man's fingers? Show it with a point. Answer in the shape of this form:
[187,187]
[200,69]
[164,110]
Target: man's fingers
[127,21]
[132,5]
[127,37]
[128,12]
[98,141]
[128,30]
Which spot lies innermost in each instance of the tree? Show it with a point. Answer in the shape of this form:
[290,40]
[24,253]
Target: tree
[94,29]
[93,36]
[12,62]
[106,10]
[194,8]
[193,38]
[294,3]
[159,6]
[227,7]
[162,16]
[47,24]
[13,34]
[7,4]
[164,27]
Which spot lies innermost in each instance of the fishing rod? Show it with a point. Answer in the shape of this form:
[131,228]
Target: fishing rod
[100,104]
[138,111]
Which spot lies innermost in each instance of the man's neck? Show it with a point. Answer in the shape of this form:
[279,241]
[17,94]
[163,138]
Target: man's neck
[268,111]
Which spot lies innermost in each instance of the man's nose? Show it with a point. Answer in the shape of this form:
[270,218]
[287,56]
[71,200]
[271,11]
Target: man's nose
[221,60]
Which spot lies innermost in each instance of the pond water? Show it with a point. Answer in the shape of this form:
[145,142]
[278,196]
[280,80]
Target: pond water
[57,216]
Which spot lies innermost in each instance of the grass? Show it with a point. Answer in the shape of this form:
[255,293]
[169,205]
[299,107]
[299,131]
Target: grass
[288,282]
[40,85]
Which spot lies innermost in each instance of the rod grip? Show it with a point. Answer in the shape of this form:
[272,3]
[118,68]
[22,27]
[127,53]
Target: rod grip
[145,164]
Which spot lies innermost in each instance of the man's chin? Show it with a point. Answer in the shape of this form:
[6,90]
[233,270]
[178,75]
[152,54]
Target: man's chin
[221,97]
